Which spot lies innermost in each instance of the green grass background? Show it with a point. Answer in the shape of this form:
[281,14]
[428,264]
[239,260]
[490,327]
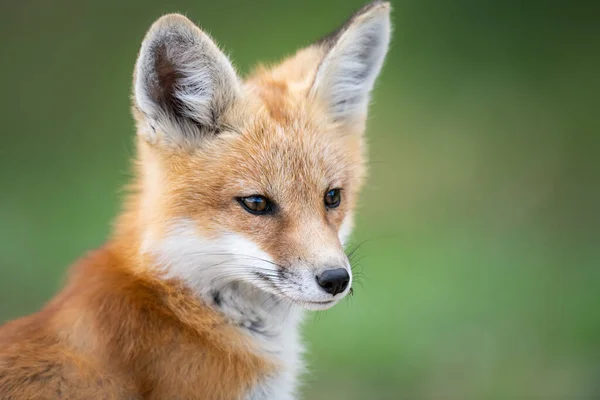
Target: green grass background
[482,213]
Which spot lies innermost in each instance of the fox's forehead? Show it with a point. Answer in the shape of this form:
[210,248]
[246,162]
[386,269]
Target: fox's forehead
[290,142]
[299,158]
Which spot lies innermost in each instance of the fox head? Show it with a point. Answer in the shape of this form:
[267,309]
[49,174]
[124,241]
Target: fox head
[254,180]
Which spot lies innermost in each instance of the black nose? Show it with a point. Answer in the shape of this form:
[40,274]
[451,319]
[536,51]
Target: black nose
[334,281]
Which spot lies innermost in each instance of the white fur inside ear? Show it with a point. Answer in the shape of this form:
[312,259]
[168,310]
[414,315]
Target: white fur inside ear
[182,80]
[347,73]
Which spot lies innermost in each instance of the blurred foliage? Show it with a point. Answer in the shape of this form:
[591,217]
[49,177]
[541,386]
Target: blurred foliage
[480,223]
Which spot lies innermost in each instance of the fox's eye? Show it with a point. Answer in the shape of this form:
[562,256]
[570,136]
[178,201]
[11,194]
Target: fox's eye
[333,198]
[255,204]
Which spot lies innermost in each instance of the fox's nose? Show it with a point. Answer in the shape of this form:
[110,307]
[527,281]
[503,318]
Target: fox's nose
[334,281]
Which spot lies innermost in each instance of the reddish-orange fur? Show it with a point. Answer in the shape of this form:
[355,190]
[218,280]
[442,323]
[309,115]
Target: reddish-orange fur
[120,329]
[113,334]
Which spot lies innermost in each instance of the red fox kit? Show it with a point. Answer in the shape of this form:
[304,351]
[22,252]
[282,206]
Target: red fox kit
[242,200]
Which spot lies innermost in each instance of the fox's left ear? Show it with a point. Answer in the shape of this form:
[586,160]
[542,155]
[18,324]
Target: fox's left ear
[183,84]
[353,57]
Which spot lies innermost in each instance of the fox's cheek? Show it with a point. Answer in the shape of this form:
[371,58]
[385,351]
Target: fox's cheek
[346,228]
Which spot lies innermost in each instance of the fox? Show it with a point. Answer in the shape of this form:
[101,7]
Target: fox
[242,198]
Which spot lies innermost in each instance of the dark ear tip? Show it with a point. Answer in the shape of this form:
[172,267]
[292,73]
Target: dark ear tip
[369,8]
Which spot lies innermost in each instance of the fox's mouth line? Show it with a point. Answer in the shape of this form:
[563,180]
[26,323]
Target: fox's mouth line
[311,302]
[278,290]
[319,302]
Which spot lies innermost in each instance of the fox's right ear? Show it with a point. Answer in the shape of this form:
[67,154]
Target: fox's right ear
[353,58]
[183,83]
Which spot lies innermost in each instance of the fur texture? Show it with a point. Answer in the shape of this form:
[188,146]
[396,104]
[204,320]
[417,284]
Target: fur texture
[193,297]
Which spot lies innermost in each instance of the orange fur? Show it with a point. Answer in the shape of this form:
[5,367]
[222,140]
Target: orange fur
[113,334]
[120,329]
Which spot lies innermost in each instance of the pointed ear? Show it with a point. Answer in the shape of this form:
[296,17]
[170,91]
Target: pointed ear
[353,57]
[183,83]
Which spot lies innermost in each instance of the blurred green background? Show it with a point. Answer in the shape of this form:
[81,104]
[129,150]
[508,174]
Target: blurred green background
[481,216]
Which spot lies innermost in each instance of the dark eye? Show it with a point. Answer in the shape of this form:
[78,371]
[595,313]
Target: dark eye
[255,204]
[333,198]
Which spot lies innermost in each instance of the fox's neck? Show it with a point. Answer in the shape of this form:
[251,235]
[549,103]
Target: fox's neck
[273,323]
[209,269]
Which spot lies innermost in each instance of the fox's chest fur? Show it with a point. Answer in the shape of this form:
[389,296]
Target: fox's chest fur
[116,335]
[269,323]
[274,329]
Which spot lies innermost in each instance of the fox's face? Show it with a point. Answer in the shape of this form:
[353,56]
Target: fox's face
[254,181]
